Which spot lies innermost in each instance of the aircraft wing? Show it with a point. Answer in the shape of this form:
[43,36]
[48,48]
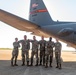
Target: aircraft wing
[21,23]
[25,25]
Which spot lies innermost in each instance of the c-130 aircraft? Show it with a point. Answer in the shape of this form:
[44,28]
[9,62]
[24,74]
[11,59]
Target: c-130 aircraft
[41,24]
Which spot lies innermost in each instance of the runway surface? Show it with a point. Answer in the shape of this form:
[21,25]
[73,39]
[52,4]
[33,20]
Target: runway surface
[68,66]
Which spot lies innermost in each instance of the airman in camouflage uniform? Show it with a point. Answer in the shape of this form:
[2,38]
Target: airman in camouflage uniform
[34,50]
[25,50]
[58,47]
[15,52]
[49,52]
[42,44]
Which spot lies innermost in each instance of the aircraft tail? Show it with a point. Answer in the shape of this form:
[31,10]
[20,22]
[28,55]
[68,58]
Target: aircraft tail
[39,13]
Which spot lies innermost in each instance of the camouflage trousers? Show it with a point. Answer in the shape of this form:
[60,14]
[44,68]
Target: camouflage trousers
[58,58]
[32,56]
[15,53]
[14,56]
[48,58]
[42,57]
[25,54]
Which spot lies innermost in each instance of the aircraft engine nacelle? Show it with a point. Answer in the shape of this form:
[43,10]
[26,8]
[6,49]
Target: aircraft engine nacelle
[65,32]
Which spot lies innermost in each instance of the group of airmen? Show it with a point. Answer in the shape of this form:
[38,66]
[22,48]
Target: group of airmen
[43,51]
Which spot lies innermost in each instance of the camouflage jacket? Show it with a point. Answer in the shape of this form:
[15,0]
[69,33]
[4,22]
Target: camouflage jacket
[34,45]
[16,45]
[49,47]
[50,44]
[58,47]
[42,44]
[25,44]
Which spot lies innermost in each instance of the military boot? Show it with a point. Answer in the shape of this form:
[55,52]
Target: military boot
[40,64]
[50,65]
[43,61]
[31,62]
[36,63]
[23,62]
[12,63]
[27,63]
[57,65]
[50,61]
[15,65]
[46,65]
[60,66]
[15,62]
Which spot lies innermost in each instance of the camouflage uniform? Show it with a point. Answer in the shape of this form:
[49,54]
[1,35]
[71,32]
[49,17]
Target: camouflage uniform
[42,44]
[25,50]
[15,52]
[49,53]
[58,54]
[34,51]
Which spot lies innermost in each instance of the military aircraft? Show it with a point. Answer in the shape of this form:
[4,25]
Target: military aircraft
[41,24]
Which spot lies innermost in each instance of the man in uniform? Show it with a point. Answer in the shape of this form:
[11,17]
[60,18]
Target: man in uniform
[42,44]
[58,47]
[25,50]
[34,50]
[49,52]
[15,52]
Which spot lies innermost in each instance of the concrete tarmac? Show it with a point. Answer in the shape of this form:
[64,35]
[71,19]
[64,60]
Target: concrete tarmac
[68,67]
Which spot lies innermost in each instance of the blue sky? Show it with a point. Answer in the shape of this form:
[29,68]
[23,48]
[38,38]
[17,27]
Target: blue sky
[62,10]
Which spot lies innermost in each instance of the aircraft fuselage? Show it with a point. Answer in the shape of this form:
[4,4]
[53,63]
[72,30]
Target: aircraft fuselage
[65,31]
